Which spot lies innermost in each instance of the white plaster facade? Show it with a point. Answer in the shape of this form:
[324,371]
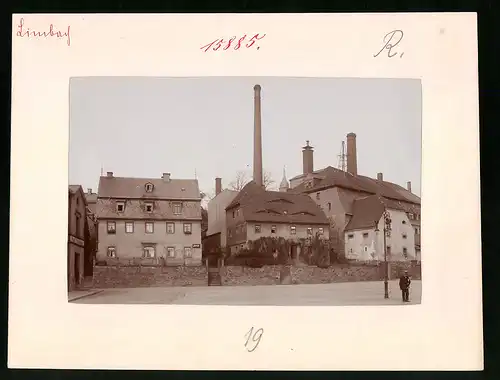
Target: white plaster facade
[217,214]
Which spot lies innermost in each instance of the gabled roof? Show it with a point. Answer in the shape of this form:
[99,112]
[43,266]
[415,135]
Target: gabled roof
[73,189]
[331,177]
[369,209]
[259,205]
[135,188]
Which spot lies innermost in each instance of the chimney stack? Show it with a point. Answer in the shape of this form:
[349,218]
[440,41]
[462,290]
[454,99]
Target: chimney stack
[218,186]
[380,176]
[307,158]
[89,191]
[352,161]
[166,177]
[408,186]
[110,174]
[257,143]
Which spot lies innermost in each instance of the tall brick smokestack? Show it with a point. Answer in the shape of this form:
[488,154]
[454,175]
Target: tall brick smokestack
[352,161]
[257,143]
[218,185]
[307,158]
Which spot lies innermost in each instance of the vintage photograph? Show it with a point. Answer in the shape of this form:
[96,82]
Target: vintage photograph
[244,191]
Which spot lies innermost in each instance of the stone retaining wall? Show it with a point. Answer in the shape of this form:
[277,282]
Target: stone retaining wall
[132,277]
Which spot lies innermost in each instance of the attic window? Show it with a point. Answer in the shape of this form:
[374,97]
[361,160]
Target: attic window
[309,231]
[404,222]
[149,207]
[317,196]
[365,234]
[329,206]
[350,236]
[273,229]
[321,230]
[120,206]
[149,187]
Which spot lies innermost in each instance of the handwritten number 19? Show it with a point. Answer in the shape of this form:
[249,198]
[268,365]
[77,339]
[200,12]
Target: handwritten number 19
[255,337]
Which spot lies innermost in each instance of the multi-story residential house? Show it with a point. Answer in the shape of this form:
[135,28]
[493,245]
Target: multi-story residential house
[336,192]
[151,220]
[256,212]
[77,214]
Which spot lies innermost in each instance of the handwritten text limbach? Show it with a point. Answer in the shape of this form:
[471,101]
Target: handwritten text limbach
[234,43]
[391,40]
[51,31]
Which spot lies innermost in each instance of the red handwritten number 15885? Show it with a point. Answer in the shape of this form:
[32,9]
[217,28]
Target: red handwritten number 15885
[233,42]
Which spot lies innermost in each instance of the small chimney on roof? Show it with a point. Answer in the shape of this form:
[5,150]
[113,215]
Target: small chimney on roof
[408,186]
[166,177]
[89,191]
[110,174]
[218,186]
[380,176]
[308,158]
[352,160]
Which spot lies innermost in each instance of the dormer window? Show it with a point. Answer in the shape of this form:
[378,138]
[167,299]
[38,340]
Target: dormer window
[149,187]
[177,207]
[120,206]
[149,206]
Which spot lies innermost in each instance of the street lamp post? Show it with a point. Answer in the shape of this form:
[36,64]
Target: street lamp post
[387,233]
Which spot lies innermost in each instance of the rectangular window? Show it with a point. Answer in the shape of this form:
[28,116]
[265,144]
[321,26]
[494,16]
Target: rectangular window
[129,227]
[309,231]
[149,252]
[317,195]
[321,230]
[188,228]
[170,228]
[273,229]
[257,228]
[234,214]
[350,236]
[410,216]
[170,252]
[111,252]
[149,207]
[416,231]
[187,252]
[329,206]
[149,227]
[404,236]
[111,228]
[120,206]
[293,230]
[177,208]
[365,234]
[77,232]
[405,250]
[404,221]
[229,234]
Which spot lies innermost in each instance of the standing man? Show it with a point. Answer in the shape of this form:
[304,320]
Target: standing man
[404,285]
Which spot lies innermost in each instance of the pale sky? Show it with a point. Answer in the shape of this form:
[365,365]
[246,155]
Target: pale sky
[144,126]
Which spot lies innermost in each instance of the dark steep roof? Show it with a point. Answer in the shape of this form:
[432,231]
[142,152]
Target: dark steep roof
[174,189]
[369,209]
[259,205]
[331,177]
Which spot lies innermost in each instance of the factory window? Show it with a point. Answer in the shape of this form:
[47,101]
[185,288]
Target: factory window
[188,228]
[350,236]
[149,227]
[111,252]
[257,228]
[229,234]
[129,227]
[149,207]
[273,229]
[365,234]
[404,222]
[365,248]
[405,251]
[329,206]
[234,214]
[321,230]
[170,252]
[111,228]
[293,230]
[170,228]
[317,195]
[404,236]
[309,231]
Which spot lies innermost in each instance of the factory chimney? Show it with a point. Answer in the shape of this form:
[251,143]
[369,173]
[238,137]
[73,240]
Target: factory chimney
[218,185]
[380,176]
[352,162]
[408,186]
[307,158]
[257,143]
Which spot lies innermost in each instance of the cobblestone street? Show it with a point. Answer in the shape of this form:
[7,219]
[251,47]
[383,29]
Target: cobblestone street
[348,293]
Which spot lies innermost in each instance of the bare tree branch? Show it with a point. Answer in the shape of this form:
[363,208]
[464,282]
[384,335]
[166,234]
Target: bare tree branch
[243,177]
